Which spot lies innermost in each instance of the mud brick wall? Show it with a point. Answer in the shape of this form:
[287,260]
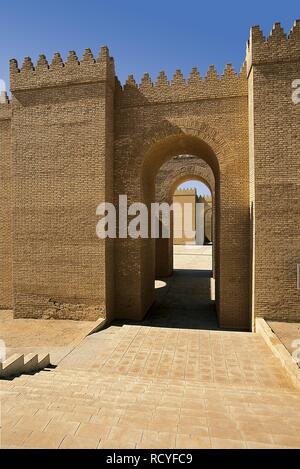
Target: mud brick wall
[62,164]
[73,137]
[274,131]
[155,122]
[6,201]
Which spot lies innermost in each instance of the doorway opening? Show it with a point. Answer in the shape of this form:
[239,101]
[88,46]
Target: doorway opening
[190,144]
[184,284]
[194,200]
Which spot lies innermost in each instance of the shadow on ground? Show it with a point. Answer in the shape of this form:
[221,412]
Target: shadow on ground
[182,301]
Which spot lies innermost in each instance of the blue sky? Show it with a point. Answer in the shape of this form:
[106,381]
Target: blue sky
[202,189]
[143,36]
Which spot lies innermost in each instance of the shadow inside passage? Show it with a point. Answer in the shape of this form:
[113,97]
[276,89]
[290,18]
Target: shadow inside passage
[182,301]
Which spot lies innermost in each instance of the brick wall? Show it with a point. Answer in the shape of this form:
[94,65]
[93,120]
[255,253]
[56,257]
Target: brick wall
[273,64]
[5,208]
[171,174]
[206,118]
[178,170]
[182,197]
[62,164]
[77,138]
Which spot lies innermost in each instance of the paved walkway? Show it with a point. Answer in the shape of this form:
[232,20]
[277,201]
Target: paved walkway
[186,300]
[139,386]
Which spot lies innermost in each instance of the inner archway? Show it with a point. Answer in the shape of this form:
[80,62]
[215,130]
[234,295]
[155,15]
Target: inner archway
[147,153]
[184,286]
[201,165]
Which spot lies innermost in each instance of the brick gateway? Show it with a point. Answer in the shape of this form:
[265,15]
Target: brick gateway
[73,137]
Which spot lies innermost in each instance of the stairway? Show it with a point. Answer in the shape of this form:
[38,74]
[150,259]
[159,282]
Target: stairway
[145,387]
[18,365]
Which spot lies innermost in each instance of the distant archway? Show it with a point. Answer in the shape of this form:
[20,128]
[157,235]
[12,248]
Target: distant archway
[159,154]
[147,153]
[170,176]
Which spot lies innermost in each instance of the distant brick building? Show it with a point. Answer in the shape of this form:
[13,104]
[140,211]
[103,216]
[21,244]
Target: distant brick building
[198,210]
[73,137]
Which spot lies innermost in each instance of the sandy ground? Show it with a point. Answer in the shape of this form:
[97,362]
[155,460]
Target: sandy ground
[39,336]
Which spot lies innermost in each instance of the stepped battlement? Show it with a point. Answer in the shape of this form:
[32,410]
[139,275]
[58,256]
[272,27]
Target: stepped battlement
[190,191]
[277,47]
[206,199]
[73,138]
[230,83]
[45,74]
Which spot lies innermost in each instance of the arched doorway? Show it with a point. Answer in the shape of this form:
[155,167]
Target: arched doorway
[172,174]
[184,286]
[154,160]
[149,153]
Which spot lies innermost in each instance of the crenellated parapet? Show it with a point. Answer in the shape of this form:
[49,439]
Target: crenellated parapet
[277,47]
[186,191]
[5,106]
[180,88]
[59,73]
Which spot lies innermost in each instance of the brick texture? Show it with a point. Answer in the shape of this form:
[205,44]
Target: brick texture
[274,134]
[171,174]
[62,162]
[5,208]
[204,118]
[73,137]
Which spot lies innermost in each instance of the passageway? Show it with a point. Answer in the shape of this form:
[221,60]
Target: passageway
[186,299]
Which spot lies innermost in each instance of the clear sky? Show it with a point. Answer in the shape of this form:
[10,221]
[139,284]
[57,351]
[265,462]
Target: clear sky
[142,35]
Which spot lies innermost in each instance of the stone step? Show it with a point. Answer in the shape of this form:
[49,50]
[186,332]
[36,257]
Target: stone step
[18,365]
[44,361]
[31,363]
[64,378]
[13,366]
